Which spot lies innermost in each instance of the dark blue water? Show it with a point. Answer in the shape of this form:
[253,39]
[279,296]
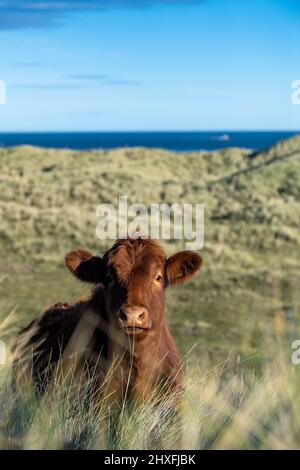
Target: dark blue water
[176,141]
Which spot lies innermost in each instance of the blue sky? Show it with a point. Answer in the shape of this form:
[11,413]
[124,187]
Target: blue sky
[149,64]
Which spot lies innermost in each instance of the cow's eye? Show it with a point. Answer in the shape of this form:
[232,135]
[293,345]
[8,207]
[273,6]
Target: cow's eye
[158,278]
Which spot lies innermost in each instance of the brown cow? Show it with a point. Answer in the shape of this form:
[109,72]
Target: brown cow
[119,332]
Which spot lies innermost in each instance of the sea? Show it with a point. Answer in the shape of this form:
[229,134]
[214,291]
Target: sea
[174,141]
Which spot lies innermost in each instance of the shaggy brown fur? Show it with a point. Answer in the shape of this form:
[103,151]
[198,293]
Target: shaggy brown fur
[119,332]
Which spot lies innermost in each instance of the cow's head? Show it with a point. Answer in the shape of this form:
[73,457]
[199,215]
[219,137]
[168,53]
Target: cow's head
[135,274]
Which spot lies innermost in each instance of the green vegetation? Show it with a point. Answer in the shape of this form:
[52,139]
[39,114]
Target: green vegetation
[242,308]
[225,407]
[250,275]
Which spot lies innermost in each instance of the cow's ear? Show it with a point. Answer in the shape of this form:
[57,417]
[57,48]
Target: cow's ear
[86,267]
[182,266]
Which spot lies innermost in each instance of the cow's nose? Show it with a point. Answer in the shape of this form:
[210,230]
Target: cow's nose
[133,315]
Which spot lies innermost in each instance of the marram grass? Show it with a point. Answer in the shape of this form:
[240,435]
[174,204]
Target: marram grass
[246,296]
[226,407]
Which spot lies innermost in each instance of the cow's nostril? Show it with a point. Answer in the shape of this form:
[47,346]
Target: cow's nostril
[133,316]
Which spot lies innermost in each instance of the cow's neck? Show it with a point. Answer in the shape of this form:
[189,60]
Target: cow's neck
[139,365]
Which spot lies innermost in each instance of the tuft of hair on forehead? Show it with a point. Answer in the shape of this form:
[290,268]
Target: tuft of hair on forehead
[129,254]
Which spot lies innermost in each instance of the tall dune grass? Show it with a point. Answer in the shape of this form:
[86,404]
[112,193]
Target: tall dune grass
[222,408]
[246,296]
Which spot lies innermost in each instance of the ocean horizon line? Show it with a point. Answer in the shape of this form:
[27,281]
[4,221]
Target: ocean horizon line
[177,141]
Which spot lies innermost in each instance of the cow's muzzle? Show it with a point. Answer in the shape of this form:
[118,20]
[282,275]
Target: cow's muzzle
[133,319]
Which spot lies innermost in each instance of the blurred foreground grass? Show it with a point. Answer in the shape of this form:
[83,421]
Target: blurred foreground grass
[225,407]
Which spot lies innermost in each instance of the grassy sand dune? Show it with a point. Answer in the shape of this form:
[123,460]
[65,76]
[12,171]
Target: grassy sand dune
[237,318]
[248,286]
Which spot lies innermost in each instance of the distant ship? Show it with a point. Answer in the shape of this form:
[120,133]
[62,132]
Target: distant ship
[222,138]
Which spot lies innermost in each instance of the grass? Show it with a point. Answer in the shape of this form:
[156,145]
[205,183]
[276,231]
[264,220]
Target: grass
[242,310]
[48,203]
[229,406]
[223,408]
